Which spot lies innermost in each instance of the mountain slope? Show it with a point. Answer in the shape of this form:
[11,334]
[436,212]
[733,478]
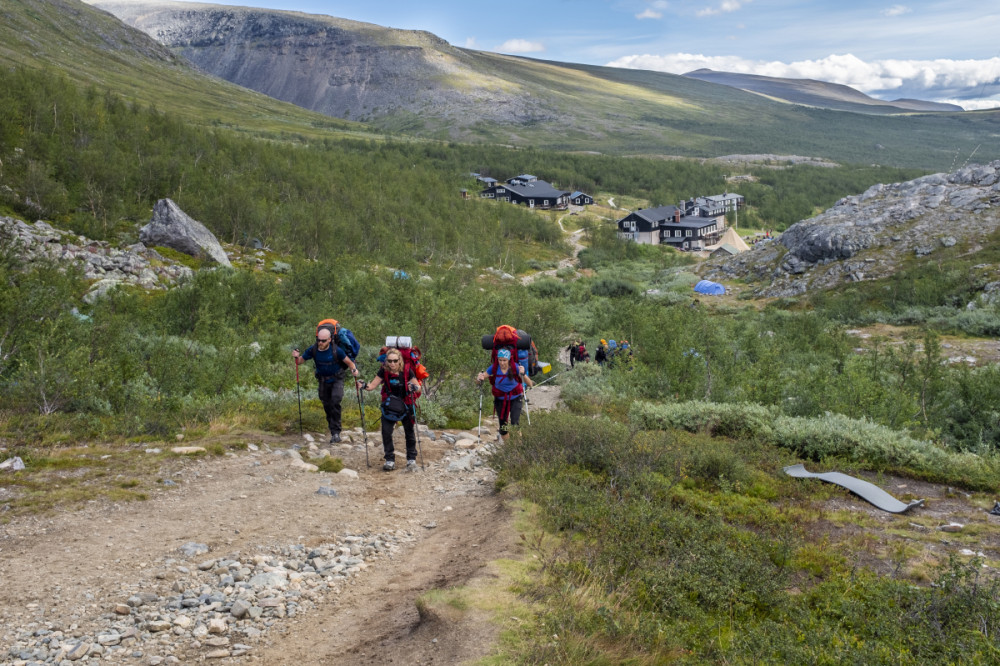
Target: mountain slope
[92,47]
[817,93]
[413,82]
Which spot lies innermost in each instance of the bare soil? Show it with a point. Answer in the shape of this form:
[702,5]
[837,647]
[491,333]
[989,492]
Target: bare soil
[66,570]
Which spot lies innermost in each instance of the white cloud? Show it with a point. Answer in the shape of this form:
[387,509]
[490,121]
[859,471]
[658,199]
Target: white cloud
[520,46]
[649,13]
[896,10]
[965,82]
[725,7]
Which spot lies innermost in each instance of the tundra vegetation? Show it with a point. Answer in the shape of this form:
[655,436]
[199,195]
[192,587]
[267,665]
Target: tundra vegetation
[663,525]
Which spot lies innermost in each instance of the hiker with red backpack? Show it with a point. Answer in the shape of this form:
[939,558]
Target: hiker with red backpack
[331,357]
[400,387]
[507,377]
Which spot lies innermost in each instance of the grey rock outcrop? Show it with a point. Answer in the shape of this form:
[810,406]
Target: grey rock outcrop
[106,265]
[867,236]
[171,227]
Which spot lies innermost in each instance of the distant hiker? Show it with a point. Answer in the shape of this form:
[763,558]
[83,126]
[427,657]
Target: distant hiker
[612,353]
[507,383]
[572,349]
[399,386]
[582,355]
[330,362]
[601,355]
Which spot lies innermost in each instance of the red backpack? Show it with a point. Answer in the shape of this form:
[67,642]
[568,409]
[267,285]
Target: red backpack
[506,337]
[411,363]
[511,339]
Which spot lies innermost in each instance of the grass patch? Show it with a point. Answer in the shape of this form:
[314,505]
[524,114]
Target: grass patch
[327,464]
[643,559]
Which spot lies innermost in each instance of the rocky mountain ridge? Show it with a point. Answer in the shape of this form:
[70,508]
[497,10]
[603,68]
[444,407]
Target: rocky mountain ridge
[869,236]
[338,67]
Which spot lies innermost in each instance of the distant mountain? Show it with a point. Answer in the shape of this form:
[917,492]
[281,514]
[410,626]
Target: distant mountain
[817,93]
[412,83]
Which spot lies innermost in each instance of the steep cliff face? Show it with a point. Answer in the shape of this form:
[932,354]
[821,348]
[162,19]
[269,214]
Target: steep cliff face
[868,236]
[337,67]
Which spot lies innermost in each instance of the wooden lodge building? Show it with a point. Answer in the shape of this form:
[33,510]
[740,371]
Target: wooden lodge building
[691,225]
[528,190]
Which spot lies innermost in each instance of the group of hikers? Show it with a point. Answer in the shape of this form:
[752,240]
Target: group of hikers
[608,353]
[401,378]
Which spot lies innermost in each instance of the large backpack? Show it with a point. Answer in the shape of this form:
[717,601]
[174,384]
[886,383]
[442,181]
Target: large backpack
[533,360]
[411,358]
[506,337]
[343,337]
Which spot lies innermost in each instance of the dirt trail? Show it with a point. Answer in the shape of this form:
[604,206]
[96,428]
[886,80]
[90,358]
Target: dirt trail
[65,571]
[574,239]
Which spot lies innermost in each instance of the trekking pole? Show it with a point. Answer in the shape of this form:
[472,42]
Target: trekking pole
[479,430]
[416,430]
[527,412]
[537,384]
[298,392]
[364,430]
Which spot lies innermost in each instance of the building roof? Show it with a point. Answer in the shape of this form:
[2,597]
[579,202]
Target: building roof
[725,247]
[538,189]
[658,214]
[578,193]
[728,196]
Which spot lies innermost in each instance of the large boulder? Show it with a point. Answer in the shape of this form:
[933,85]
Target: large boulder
[171,227]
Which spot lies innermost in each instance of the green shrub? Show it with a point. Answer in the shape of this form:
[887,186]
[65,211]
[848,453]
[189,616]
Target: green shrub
[613,288]
[831,436]
[547,287]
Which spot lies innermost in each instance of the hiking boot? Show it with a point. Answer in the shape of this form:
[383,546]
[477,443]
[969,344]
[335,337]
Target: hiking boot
[411,465]
[334,438]
[389,465]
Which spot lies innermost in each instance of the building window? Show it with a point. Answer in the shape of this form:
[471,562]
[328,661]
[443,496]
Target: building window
[687,233]
[501,191]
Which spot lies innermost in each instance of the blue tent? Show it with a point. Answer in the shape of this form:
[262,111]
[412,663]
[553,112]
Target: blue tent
[710,288]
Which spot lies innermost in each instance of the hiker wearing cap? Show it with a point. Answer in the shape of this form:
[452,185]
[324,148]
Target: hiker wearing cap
[330,362]
[507,383]
[399,385]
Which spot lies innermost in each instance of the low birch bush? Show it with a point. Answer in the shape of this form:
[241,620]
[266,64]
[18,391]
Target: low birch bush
[830,436]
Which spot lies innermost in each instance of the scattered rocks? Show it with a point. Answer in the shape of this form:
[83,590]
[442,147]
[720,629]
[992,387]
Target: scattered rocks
[202,603]
[108,266]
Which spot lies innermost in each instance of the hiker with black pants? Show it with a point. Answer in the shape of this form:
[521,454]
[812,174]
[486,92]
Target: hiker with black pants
[330,362]
[572,349]
[398,386]
[507,383]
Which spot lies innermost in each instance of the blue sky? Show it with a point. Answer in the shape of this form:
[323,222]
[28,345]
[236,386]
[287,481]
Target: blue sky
[941,50]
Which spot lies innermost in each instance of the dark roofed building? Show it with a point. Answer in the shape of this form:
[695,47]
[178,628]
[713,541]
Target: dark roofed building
[669,225]
[578,198]
[535,194]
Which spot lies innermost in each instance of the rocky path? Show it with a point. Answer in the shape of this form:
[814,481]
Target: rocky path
[250,557]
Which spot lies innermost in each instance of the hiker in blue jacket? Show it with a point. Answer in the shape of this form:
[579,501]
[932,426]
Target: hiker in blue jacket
[330,362]
[507,382]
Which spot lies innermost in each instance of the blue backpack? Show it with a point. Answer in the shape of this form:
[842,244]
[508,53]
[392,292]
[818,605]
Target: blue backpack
[343,336]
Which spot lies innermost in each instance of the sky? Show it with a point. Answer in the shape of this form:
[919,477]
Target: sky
[937,50]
